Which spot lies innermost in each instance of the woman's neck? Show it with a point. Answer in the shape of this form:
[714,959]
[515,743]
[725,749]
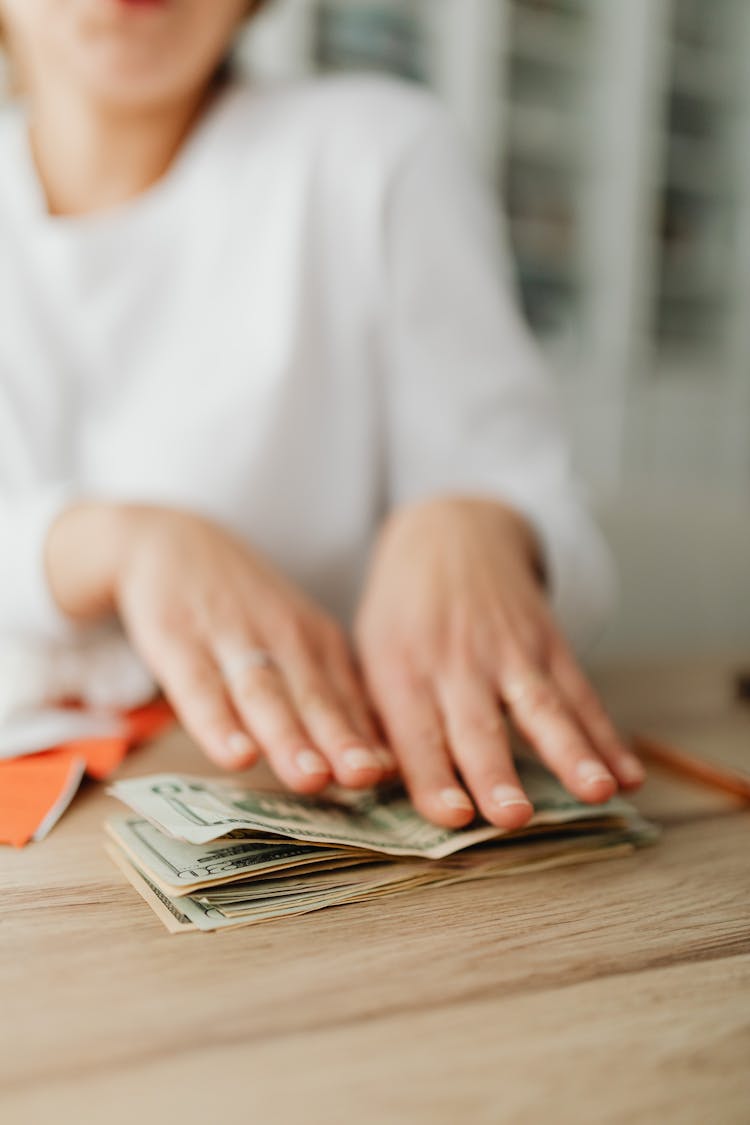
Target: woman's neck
[90,158]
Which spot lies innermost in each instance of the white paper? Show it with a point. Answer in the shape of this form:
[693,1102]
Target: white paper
[33,731]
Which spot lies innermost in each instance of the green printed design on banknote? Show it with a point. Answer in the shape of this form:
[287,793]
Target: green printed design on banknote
[199,811]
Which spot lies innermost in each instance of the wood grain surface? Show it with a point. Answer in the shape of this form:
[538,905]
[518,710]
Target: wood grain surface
[615,992]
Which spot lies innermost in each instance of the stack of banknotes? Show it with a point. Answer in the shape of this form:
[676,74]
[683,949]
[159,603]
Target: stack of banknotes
[209,855]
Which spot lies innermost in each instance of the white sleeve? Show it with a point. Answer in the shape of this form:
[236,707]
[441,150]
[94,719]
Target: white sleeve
[468,406]
[43,655]
[27,607]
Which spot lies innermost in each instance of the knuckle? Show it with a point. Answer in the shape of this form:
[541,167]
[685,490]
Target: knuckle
[259,685]
[390,680]
[386,652]
[528,640]
[174,619]
[533,642]
[428,738]
[485,725]
[196,682]
[537,698]
[315,700]
[222,614]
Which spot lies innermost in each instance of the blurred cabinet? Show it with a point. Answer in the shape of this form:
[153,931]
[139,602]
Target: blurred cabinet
[702,193]
[388,37]
[545,160]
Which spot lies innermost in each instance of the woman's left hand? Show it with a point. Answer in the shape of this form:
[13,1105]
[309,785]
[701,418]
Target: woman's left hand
[455,636]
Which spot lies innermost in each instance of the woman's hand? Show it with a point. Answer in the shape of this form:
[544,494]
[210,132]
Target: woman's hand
[203,611]
[454,631]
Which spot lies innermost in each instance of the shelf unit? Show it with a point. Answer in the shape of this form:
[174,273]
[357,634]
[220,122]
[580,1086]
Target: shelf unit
[700,193]
[545,160]
[385,37]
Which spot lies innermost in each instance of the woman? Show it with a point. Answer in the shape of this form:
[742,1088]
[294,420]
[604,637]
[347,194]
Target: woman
[255,347]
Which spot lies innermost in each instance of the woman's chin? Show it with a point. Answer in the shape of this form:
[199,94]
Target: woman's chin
[131,85]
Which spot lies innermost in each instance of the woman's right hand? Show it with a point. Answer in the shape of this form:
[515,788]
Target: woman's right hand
[201,608]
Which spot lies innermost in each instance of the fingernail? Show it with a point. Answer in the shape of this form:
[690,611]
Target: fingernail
[386,758]
[238,746]
[505,796]
[456,799]
[311,762]
[360,760]
[590,773]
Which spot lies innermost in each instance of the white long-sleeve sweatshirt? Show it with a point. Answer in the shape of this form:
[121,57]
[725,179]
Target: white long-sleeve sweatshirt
[305,323]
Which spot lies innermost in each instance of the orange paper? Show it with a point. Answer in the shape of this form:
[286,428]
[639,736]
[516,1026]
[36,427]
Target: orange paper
[104,755]
[36,790]
[101,756]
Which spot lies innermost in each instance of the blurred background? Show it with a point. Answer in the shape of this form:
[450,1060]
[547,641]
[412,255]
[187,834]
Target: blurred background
[616,135]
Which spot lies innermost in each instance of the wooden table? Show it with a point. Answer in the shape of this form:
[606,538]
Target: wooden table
[616,992]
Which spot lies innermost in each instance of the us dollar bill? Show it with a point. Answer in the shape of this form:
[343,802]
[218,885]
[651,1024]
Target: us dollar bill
[249,902]
[179,868]
[260,903]
[200,810]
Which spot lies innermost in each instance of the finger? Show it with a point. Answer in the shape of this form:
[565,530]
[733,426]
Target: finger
[543,718]
[478,741]
[261,697]
[194,686]
[352,756]
[594,720]
[350,689]
[412,721]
